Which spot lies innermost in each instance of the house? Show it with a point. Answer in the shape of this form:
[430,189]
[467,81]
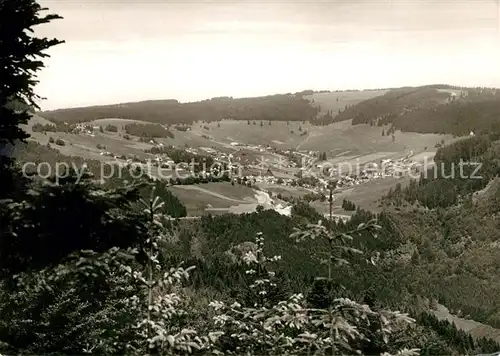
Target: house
[269,173]
[338,217]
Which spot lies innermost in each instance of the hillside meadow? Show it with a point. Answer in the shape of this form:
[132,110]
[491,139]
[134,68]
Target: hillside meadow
[221,196]
[335,101]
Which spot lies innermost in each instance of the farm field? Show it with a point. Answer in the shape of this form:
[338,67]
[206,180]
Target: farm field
[367,196]
[360,139]
[221,196]
[278,134]
[82,145]
[285,191]
[338,100]
[86,146]
[236,192]
[181,138]
[453,91]
[363,139]
[36,119]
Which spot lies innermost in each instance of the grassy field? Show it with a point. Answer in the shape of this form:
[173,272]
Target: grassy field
[218,195]
[338,101]
[181,138]
[453,91]
[236,192]
[367,196]
[364,139]
[36,119]
[285,190]
[222,197]
[476,329]
[86,146]
[278,134]
[360,139]
[120,123]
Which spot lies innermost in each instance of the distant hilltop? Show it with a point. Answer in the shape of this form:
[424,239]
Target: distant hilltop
[437,108]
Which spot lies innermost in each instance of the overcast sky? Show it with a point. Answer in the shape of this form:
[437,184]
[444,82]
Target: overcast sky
[119,51]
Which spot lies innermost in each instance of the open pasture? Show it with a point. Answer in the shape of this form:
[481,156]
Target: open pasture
[82,145]
[285,191]
[364,139]
[36,119]
[341,136]
[220,196]
[338,100]
[367,196]
[278,134]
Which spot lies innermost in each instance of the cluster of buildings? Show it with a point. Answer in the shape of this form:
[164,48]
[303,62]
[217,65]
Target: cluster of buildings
[85,129]
[245,161]
[108,154]
[320,183]
[388,168]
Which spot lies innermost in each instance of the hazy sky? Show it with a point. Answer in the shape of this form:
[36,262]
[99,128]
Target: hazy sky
[118,51]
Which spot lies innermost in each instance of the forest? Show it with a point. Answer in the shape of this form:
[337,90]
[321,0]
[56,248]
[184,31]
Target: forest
[274,107]
[461,169]
[106,268]
[56,127]
[426,110]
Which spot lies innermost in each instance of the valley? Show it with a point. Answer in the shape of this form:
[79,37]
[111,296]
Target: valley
[287,149]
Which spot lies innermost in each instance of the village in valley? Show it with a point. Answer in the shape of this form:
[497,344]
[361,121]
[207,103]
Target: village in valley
[277,175]
[224,164]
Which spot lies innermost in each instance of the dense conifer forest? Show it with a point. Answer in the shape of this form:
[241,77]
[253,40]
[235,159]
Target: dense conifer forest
[427,110]
[292,107]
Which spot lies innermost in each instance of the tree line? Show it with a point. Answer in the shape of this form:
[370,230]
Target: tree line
[426,110]
[461,169]
[267,108]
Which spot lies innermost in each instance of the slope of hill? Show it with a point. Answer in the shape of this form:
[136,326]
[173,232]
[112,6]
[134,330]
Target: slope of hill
[334,102]
[274,107]
[212,197]
[428,109]
[392,103]
[438,255]
[366,139]
[458,118]
[474,328]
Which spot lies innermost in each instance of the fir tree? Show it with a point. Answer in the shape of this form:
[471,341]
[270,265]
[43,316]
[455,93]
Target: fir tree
[21,57]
